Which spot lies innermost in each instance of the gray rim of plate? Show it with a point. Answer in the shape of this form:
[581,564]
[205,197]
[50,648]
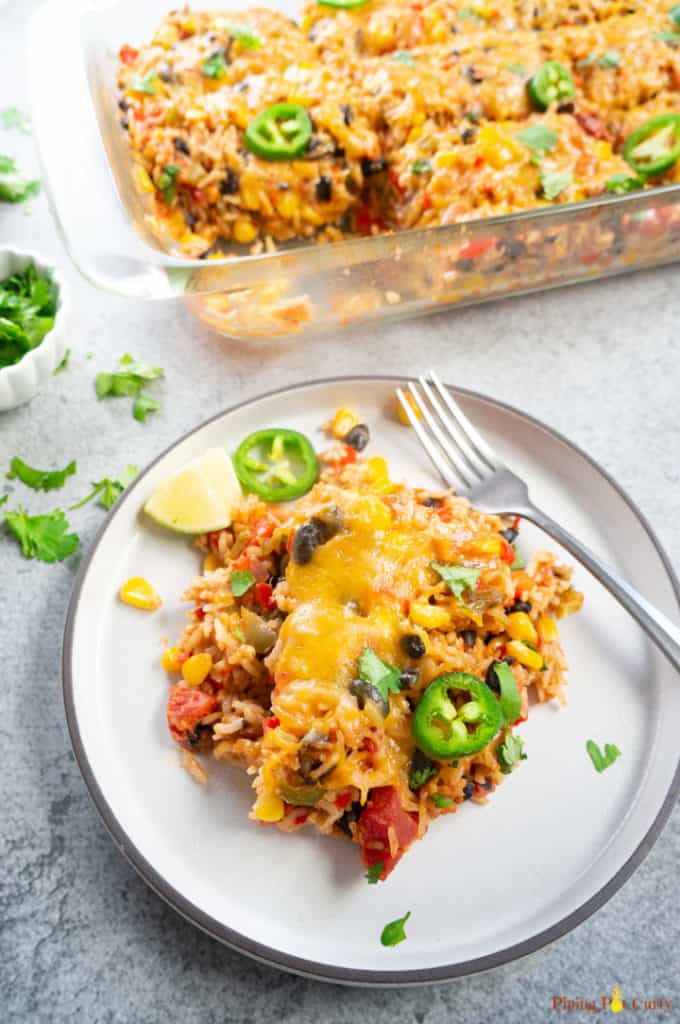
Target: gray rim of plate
[274,957]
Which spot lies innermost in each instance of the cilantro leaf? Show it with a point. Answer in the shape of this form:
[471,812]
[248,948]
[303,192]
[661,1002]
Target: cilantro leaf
[458,578]
[439,800]
[519,561]
[374,872]
[108,491]
[12,117]
[3,499]
[674,14]
[518,69]
[215,66]
[393,933]
[421,770]
[602,760]
[14,187]
[240,582]
[538,138]
[622,182]
[44,537]
[511,702]
[510,752]
[28,304]
[143,405]
[385,678]
[167,182]
[609,59]
[421,166]
[472,14]
[555,182]
[145,84]
[673,38]
[129,380]
[63,363]
[40,479]
[246,35]
[404,57]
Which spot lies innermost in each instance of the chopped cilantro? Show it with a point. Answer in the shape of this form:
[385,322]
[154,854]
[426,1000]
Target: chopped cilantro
[246,35]
[44,537]
[602,760]
[393,933]
[385,678]
[421,166]
[40,479]
[421,770]
[539,139]
[28,305]
[12,117]
[510,700]
[555,182]
[510,752]
[145,84]
[167,182]
[374,872]
[239,634]
[471,14]
[674,14]
[439,800]
[518,69]
[14,188]
[458,578]
[667,37]
[240,582]
[129,380]
[609,59]
[623,182]
[64,362]
[216,64]
[404,57]
[108,491]
[519,561]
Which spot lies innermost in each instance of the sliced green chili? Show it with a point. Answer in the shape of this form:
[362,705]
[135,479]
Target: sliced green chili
[276,464]
[552,83]
[281,132]
[655,145]
[457,715]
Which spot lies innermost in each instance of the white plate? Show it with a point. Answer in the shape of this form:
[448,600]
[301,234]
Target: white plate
[485,886]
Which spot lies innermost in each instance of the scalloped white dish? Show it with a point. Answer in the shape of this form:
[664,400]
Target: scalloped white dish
[486,885]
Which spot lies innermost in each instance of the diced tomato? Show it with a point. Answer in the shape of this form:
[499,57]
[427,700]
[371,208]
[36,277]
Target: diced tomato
[264,527]
[507,551]
[196,194]
[516,521]
[365,220]
[271,723]
[301,818]
[476,248]
[382,812]
[394,178]
[128,55]
[263,596]
[592,124]
[289,542]
[369,745]
[185,709]
[342,800]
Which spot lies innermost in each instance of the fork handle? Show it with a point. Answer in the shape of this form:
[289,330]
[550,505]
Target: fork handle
[659,628]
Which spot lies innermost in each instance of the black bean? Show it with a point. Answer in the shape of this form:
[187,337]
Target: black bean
[364,691]
[469,637]
[181,146]
[274,580]
[370,167]
[472,75]
[511,534]
[412,645]
[431,502]
[125,124]
[465,264]
[491,678]
[520,606]
[124,104]
[468,790]
[468,135]
[307,539]
[347,114]
[190,219]
[358,437]
[324,188]
[349,818]
[422,769]
[329,521]
[165,73]
[229,183]
[566,107]
[513,248]
[408,678]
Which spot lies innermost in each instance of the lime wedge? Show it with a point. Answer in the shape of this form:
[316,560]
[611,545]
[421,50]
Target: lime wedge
[200,498]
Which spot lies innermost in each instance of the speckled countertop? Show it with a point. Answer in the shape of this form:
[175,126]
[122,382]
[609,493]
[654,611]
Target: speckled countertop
[81,936]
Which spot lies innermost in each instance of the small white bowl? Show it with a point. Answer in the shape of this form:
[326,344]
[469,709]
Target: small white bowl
[20,382]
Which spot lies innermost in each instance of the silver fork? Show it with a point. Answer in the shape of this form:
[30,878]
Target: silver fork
[467,463]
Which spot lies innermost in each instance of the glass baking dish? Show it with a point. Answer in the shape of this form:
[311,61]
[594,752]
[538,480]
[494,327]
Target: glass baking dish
[103,216]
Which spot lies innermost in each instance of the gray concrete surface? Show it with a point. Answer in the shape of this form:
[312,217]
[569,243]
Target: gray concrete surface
[81,936]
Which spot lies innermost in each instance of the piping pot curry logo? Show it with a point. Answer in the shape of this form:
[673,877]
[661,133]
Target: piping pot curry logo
[613,1003]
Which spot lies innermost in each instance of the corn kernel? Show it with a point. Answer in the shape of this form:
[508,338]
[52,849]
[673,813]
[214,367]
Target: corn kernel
[269,807]
[547,628]
[288,205]
[414,408]
[497,148]
[170,659]
[377,475]
[188,26]
[525,655]
[210,563]
[244,231]
[196,669]
[372,513]
[343,421]
[488,546]
[429,616]
[520,627]
[569,603]
[140,594]
[142,179]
